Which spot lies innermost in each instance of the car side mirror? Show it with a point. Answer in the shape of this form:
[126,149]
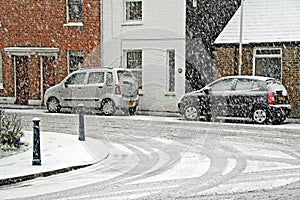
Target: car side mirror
[66,85]
[207,91]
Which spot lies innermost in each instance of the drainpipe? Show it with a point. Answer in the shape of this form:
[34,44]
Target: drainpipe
[241,38]
[101,34]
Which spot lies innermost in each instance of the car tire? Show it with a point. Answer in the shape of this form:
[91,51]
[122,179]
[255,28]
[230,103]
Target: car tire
[132,110]
[191,113]
[108,107]
[53,105]
[260,115]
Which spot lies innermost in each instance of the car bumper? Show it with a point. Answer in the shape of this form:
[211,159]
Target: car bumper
[282,109]
[126,102]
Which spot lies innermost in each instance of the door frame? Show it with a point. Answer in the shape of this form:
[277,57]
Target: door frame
[31,52]
[16,76]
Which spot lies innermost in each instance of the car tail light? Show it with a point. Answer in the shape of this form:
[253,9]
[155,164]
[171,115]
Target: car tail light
[271,98]
[117,89]
[138,92]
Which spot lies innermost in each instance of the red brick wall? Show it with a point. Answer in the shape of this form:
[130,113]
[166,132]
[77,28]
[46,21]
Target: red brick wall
[40,23]
[291,75]
[224,63]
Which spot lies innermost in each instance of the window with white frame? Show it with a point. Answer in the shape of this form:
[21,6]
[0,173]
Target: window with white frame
[134,63]
[171,70]
[133,10]
[75,60]
[267,62]
[74,10]
[1,79]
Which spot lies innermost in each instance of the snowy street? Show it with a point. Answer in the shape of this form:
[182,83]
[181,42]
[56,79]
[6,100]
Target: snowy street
[168,157]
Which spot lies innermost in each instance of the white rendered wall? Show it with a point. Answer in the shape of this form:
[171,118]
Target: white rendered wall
[162,28]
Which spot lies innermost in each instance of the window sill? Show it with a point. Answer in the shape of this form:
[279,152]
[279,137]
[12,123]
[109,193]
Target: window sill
[170,94]
[70,24]
[132,23]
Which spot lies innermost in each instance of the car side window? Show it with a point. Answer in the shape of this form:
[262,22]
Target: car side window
[109,78]
[257,85]
[244,84]
[76,79]
[96,77]
[222,85]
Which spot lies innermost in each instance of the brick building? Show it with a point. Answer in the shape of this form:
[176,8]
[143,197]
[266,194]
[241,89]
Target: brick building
[271,44]
[41,41]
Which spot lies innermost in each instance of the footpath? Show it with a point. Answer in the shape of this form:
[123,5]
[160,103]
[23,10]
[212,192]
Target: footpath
[59,153]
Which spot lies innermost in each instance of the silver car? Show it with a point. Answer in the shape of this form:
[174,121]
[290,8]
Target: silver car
[106,89]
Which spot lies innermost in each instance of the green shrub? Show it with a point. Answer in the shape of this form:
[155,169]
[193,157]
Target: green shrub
[10,129]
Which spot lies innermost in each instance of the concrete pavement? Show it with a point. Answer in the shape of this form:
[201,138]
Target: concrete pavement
[59,153]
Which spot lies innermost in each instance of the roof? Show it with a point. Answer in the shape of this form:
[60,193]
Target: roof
[264,21]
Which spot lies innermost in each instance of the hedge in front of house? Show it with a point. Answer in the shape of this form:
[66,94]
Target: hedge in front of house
[10,129]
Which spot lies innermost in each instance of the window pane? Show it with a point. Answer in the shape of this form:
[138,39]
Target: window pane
[134,59]
[171,68]
[134,62]
[75,60]
[270,67]
[134,10]
[96,77]
[75,10]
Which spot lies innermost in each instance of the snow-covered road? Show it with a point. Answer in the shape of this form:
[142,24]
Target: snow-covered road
[167,158]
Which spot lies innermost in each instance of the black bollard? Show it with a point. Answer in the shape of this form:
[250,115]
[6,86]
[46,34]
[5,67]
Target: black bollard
[81,122]
[36,142]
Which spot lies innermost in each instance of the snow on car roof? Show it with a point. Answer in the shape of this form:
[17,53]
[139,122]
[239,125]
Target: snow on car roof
[262,78]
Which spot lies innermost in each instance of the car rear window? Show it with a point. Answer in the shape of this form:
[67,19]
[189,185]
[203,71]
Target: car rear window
[122,74]
[274,86]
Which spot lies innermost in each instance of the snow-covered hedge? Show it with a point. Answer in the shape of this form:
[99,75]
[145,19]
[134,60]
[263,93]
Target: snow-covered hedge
[10,129]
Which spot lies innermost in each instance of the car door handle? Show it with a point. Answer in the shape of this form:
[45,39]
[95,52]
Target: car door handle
[79,88]
[100,86]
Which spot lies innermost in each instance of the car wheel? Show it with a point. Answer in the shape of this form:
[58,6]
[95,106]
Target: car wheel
[53,105]
[108,107]
[132,110]
[260,115]
[191,113]
[282,118]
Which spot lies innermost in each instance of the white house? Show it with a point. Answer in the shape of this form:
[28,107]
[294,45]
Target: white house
[149,38]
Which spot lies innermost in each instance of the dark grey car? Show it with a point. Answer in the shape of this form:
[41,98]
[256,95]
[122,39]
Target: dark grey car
[262,99]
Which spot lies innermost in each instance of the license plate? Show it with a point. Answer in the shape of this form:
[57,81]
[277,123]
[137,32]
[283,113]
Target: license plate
[281,98]
[130,103]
